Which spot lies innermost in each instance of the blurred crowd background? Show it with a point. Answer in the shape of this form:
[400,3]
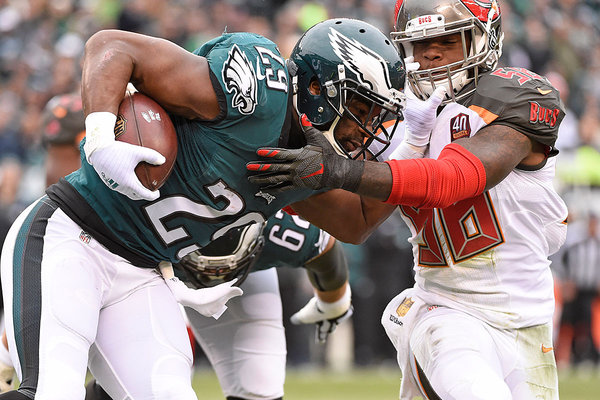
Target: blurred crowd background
[42,41]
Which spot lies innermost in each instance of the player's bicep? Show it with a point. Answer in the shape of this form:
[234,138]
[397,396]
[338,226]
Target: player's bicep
[174,77]
[177,79]
[500,149]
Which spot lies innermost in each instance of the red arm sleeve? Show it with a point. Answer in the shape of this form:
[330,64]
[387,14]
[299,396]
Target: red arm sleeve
[456,175]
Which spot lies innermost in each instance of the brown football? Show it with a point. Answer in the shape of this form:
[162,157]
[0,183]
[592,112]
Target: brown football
[143,122]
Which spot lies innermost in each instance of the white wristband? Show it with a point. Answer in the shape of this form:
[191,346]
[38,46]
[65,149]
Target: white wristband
[337,306]
[99,132]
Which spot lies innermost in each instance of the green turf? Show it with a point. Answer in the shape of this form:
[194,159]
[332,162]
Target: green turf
[375,384]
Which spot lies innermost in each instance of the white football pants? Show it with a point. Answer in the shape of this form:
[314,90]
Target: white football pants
[66,296]
[463,357]
[246,346]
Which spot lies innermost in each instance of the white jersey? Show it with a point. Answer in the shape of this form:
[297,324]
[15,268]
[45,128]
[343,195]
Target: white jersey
[488,255]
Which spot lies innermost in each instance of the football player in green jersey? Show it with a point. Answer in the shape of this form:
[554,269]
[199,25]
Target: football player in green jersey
[245,372]
[475,186]
[79,265]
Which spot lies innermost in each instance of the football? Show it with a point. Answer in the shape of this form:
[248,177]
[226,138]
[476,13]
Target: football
[143,122]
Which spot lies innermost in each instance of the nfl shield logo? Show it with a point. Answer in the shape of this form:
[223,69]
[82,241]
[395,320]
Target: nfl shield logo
[405,306]
[120,126]
[85,237]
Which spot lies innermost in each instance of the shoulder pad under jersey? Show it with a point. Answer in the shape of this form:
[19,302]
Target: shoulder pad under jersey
[522,100]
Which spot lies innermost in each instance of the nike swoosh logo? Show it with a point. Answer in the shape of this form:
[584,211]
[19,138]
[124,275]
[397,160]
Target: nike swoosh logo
[319,172]
[544,92]
[546,349]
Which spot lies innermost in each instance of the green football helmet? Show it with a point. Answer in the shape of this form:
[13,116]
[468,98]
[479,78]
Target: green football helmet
[349,59]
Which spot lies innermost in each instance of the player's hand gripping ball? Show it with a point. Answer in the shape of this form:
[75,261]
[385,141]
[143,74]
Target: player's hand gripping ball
[143,122]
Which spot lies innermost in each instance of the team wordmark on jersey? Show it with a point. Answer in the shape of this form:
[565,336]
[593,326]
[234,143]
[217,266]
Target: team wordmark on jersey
[240,79]
[460,127]
[542,115]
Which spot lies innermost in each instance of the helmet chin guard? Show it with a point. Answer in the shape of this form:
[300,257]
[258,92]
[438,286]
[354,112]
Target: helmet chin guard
[230,256]
[478,21]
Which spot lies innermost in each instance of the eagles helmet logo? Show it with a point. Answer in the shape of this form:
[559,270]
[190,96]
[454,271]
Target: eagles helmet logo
[120,126]
[240,79]
[369,66]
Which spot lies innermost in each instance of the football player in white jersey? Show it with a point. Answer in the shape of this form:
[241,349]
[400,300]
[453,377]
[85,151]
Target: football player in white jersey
[475,187]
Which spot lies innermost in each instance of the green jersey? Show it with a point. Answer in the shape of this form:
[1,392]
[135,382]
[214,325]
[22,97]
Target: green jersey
[290,241]
[208,191]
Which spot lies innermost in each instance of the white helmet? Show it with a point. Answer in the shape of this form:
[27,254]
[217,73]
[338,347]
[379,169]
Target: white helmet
[423,19]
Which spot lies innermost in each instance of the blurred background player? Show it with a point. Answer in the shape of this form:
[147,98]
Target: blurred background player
[63,129]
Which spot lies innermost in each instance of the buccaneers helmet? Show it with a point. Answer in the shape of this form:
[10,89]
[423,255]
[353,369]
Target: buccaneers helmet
[349,59]
[417,20]
[230,256]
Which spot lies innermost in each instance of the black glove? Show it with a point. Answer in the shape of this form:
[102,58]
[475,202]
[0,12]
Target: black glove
[314,166]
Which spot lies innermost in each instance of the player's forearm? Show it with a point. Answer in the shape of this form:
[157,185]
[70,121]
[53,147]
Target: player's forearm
[107,68]
[347,216]
[426,183]
[376,181]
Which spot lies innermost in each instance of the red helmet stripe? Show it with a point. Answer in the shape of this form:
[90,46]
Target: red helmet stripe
[481,8]
[397,8]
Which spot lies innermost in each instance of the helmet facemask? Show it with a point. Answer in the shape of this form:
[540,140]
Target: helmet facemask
[341,93]
[481,44]
[230,256]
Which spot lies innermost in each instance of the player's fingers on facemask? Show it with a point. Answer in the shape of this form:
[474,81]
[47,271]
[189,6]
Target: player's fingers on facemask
[438,94]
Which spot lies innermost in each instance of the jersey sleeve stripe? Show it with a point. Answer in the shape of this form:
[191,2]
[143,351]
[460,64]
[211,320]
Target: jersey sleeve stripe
[486,115]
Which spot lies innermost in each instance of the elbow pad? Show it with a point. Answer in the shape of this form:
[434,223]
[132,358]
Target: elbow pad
[456,175]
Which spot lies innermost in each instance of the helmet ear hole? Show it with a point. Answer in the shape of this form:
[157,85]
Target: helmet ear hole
[314,87]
